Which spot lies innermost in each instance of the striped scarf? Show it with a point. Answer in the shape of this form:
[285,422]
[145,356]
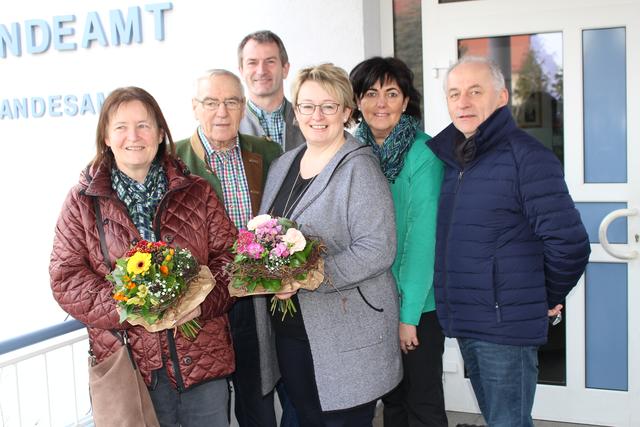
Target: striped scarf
[395,147]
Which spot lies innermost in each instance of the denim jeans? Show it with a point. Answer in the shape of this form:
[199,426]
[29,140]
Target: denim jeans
[205,405]
[504,380]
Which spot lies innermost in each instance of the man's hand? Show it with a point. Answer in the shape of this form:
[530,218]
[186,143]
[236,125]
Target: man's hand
[408,337]
[553,312]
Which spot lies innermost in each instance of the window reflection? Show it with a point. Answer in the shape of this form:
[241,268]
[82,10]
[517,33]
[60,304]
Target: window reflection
[532,66]
[407,36]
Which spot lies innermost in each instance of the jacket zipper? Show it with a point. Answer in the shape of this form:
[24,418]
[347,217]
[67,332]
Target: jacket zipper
[170,338]
[174,358]
[161,207]
[495,292]
[157,227]
[446,267]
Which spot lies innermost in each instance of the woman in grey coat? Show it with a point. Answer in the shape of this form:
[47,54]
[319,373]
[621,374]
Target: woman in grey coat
[340,351]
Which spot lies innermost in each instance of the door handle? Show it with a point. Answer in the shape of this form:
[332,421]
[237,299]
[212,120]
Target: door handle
[602,233]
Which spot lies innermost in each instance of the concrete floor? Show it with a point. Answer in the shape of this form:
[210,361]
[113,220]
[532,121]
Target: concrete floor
[466,418]
[453,417]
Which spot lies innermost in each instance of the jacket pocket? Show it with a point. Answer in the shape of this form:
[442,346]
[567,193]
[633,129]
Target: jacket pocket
[379,310]
[362,326]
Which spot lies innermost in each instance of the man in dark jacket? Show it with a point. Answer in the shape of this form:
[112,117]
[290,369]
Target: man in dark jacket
[510,243]
[236,166]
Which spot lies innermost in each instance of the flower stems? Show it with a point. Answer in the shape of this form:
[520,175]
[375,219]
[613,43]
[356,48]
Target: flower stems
[285,307]
[190,329]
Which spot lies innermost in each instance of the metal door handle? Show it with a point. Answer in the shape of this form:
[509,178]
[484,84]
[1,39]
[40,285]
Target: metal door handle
[602,233]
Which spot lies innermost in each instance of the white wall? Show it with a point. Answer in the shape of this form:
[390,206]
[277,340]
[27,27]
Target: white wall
[43,156]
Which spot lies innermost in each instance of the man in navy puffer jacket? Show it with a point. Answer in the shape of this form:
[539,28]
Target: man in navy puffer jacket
[510,243]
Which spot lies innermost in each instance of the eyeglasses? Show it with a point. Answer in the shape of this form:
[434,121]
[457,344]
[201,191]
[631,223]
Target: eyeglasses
[328,108]
[214,104]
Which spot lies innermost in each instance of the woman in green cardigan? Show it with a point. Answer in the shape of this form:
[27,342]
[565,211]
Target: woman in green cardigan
[389,116]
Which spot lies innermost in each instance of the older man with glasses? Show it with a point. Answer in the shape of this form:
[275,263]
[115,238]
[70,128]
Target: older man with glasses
[236,166]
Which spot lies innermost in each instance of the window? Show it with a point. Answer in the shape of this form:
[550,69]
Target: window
[532,67]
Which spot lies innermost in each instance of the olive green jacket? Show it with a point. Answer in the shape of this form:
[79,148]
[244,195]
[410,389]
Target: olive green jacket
[257,155]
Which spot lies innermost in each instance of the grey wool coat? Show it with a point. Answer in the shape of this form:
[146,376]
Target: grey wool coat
[352,326]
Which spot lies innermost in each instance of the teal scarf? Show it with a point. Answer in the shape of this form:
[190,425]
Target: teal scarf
[141,200]
[395,147]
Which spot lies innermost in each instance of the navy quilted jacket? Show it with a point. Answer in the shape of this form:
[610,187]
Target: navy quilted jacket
[510,243]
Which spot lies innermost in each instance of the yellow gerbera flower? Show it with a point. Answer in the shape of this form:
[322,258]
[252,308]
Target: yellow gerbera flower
[139,263]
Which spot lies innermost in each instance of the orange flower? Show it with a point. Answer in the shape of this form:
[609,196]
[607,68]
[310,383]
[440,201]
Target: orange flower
[126,278]
[120,297]
[164,270]
[131,285]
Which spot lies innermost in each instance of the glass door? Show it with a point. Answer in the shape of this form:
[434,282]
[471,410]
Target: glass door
[570,68]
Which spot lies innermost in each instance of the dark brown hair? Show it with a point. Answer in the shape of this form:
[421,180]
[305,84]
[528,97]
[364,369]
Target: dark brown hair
[381,70]
[112,103]
[261,37]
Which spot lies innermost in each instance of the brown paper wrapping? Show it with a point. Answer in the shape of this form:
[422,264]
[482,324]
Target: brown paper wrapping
[197,290]
[314,278]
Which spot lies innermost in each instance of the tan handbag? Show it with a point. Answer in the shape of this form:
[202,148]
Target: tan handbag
[119,396]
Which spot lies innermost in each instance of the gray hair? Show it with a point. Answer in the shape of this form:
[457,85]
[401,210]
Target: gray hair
[214,73]
[494,70]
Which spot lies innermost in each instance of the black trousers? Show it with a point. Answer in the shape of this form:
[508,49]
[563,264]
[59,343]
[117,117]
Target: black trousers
[252,409]
[418,401]
[296,367]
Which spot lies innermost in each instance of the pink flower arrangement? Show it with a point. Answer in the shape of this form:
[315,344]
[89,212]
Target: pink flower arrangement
[270,255]
[264,239]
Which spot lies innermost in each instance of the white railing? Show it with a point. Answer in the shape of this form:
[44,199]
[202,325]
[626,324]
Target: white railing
[46,384]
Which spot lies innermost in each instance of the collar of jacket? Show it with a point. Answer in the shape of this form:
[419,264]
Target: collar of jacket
[490,133]
[350,149]
[246,147]
[97,179]
[253,168]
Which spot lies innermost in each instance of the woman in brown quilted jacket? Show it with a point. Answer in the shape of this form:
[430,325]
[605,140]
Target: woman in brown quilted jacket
[136,189]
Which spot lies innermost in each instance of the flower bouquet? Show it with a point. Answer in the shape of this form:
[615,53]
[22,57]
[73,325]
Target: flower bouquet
[155,285]
[273,256]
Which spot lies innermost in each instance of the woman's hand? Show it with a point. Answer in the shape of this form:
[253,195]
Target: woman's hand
[189,316]
[286,295]
[408,337]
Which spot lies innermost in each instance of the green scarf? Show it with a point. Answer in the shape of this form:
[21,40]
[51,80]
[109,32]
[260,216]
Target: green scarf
[141,200]
[395,147]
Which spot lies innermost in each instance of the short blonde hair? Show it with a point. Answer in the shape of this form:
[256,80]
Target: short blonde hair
[333,79]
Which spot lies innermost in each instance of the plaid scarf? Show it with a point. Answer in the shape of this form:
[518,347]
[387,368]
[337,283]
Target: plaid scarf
[395,147]
[141,200]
